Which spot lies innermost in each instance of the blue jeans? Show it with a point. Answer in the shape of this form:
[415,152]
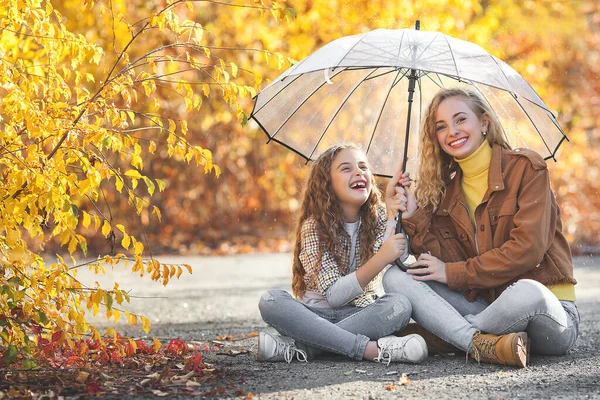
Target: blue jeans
[345,330]
[525,306]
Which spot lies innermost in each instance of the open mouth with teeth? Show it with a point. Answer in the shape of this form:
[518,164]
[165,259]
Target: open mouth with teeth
[458,143]
[359,185]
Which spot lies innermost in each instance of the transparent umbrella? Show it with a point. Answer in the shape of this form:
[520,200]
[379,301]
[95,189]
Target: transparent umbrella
[361,89]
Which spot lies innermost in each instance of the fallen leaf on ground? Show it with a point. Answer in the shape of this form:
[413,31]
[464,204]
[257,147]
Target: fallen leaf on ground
[183,378]
[404,380]
[82,376]
[232,353]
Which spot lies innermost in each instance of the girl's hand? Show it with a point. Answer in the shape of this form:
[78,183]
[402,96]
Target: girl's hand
[395,203]
[428,268]
[392,248]
[399,179]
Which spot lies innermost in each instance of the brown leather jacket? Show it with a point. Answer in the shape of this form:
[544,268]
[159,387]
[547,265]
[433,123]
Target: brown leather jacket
[517,235]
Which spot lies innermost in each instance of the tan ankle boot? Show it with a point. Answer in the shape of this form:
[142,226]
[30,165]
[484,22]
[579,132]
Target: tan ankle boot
[435,345]
[510,349]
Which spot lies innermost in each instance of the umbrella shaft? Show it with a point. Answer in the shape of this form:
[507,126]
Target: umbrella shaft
[412,79]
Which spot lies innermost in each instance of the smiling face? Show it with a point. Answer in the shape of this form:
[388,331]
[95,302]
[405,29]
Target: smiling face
[458,129]
[351,179]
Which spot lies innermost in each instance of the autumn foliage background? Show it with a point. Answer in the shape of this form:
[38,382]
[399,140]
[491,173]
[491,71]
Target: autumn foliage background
[142,146]
[251,205]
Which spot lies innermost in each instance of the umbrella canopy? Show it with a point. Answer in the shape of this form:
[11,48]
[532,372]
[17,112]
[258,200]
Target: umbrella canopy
[355,89]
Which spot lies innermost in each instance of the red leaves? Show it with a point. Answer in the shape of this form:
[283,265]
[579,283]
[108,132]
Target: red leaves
[115,357]
[126,367]
[93,388]
[56,336]
[195,362]
[143,348]
[177,347]
[56,352]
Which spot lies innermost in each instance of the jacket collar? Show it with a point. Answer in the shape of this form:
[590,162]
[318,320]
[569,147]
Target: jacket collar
[454,192]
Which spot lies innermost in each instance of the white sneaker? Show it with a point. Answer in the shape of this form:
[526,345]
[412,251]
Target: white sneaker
[274,347]
[411,349]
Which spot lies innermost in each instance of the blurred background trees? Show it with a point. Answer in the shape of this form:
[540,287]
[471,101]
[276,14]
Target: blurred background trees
[91,102]
[251,205]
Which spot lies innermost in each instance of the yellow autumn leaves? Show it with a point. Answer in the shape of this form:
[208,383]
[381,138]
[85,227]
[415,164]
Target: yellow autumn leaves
[77,120]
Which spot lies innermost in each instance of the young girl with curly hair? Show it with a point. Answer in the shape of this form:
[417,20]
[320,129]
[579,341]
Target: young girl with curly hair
[494,275]
[340,251]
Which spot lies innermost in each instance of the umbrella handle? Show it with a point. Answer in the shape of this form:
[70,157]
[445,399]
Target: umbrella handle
[400,229]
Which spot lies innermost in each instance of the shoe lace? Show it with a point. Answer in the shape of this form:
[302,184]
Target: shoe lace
[386,351]
[289,350]
[482,348]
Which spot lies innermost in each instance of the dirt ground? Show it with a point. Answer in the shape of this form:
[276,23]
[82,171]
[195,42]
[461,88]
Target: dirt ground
[219,302]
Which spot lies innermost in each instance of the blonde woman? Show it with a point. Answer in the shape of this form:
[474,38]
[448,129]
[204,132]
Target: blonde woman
[494,274]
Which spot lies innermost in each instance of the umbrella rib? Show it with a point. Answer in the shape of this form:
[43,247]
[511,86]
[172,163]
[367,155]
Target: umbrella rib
[553,119]
[276,94]
[532,123]
[291,148]
[400,47]
[301,104]
[377,51]
[428,46]
[396,81]
[381,113]
[506,77]
[452,54]
[392,69]
[531,87]
[351,48]
[557,147]
[337,112]
[439,84]
[278,141]
[392,43]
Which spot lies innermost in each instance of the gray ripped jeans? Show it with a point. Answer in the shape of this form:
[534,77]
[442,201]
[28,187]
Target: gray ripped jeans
[345,330]
[526,306]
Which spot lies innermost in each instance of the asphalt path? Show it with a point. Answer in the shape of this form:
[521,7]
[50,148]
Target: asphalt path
[219,299]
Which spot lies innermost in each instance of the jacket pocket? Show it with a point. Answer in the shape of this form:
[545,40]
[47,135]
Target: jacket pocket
[501,220]
[450,244]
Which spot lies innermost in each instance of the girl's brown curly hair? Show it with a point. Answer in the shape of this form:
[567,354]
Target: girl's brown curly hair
[321,203]
[435,166]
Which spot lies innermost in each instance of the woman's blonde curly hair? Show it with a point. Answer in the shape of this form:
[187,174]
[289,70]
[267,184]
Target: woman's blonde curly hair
[435,166]
[321,203]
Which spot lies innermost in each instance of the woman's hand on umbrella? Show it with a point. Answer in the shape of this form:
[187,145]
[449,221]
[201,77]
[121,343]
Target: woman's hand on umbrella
[402,201]
[396,202]
[428,268]
[409,203]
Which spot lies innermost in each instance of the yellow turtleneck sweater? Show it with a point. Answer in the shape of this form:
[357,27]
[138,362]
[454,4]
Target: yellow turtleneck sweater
[475,170]
[474,184]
